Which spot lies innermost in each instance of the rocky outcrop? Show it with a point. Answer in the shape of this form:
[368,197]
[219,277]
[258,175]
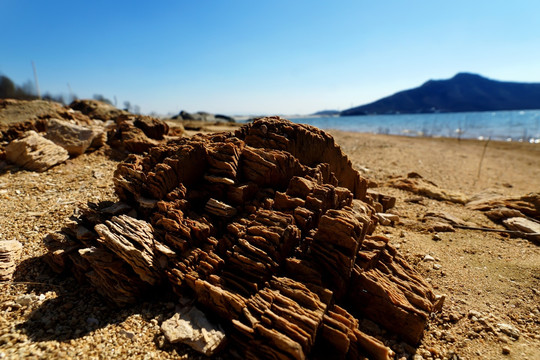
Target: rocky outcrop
[416,184]
[202,116]
[498,207]
[34,152]
[17,130]
[74,131]
[97,109]
[520,214]
[137,133]
[267,228]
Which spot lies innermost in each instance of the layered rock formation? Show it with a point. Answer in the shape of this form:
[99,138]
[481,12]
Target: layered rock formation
[72,130]
[268,228]
[34,152]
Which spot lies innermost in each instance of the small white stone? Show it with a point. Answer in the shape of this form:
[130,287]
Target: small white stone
[190,326]
[509,330]
[429,258]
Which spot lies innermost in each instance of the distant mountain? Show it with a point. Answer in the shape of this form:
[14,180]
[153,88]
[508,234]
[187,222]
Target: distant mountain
[463,92]
[327,113]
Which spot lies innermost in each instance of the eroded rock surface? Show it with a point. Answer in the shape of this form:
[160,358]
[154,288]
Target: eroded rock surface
[137,133]
[415,183]
[268,227]
[96,109]
[10,252]
[520,214]
[76,139]
[190,326]
[34,152]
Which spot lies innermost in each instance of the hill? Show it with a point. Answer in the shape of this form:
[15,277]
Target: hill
[327,113]
[463,92]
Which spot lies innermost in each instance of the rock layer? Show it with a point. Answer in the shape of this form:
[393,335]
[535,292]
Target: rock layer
[34,152]
[10,252]
[267,227]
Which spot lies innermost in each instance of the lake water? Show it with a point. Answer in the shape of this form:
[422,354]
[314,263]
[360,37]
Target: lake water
[498,125]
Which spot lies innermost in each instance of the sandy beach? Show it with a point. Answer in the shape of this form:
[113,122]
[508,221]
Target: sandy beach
[488,278]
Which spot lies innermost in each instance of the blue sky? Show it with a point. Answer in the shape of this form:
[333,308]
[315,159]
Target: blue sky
[263,57]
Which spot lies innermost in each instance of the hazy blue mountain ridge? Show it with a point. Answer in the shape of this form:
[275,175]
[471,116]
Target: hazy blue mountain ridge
[463,92]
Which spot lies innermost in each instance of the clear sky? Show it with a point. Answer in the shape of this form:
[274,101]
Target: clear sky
[263,57]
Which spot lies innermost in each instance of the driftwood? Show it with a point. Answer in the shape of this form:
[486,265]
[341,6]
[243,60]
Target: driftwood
[268,228]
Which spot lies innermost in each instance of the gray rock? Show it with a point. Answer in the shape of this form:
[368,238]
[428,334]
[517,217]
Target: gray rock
[76,139]
[190,326]
[34,152]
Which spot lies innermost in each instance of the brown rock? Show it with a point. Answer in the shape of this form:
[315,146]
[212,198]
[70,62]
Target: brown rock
[133,241]
[530,228]
[504,207]
[96,109]
[10,252]
[34,152]
[267,229]
[151,126]
[415,183]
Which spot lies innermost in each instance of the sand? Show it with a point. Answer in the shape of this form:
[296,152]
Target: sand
[488,278]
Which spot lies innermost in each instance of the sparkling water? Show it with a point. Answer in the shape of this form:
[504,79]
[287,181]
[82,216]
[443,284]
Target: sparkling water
[498,125]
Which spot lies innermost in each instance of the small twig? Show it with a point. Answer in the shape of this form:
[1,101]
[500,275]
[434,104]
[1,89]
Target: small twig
[482,159]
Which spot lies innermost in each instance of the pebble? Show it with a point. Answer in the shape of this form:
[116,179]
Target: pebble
[26,299]
[505,350]
[436,237]
[424,352]
[503,338]
[437,266]
[474,314]
[429,258]
[509,330]
[127,334]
